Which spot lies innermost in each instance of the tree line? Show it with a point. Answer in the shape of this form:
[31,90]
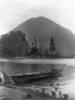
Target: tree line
[15,44]
[35,50]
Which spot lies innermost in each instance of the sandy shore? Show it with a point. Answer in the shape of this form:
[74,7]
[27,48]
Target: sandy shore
[8,93]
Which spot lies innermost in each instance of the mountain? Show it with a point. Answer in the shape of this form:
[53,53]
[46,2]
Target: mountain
[43,29]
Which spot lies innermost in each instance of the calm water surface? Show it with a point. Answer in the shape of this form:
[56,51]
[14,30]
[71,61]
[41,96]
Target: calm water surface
[66,81]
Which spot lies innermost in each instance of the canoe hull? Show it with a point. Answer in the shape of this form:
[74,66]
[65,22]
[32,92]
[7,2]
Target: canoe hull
[25,79]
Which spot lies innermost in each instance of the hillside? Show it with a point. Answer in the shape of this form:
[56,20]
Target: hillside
[43,29]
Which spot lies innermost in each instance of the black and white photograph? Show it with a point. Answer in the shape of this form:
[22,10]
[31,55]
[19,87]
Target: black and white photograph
[37,49]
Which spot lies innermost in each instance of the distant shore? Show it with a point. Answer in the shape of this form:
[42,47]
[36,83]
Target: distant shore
[67,61]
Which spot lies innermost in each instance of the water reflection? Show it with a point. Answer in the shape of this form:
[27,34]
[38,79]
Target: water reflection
[19,68]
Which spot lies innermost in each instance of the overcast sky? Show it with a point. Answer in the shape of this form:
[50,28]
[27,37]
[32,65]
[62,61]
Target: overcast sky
[14,12]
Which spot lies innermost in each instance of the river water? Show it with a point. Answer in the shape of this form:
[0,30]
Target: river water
[66,80]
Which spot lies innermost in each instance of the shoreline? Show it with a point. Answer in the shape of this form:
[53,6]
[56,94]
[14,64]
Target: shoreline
[27,93]
[40,61]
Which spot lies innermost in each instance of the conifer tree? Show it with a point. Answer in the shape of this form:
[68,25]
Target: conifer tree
[52,46]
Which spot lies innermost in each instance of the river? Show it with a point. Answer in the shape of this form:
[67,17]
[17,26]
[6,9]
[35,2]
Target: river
[66,80]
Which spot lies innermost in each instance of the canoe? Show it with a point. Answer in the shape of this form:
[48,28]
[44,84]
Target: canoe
[28,78]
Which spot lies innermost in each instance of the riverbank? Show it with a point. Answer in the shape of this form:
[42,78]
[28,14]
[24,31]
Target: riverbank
[24,93]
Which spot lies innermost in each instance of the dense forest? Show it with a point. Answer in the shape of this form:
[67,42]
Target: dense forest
[15,44]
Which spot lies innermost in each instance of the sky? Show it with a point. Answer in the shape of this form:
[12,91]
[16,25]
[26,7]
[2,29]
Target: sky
[14,12]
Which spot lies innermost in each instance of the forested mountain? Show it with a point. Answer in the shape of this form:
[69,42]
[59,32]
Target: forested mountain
[43,29]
